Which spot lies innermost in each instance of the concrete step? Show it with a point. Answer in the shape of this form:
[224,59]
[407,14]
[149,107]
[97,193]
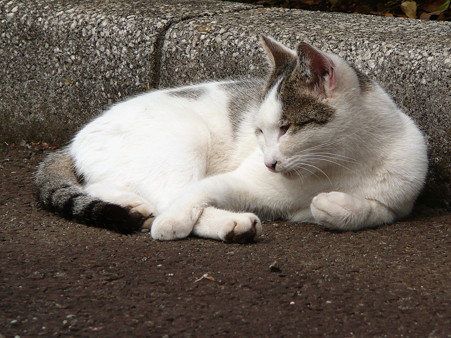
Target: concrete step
[64,62]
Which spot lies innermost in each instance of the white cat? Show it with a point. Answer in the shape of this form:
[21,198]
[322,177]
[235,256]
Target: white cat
[317,142]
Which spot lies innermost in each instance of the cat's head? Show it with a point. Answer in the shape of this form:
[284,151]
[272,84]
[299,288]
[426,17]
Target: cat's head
[301,118]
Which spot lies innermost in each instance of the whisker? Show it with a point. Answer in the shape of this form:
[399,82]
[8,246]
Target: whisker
[299,173]
[319,155]
[308,157]
[319,169]
[330,161]
[344,158]
[311,172]
[325,152]
[320,145]
[335,141]
[301,163]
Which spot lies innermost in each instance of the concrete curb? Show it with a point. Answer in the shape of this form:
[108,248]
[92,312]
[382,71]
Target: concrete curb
[62,64]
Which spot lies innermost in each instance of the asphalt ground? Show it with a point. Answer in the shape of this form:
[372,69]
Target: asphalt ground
[60,278]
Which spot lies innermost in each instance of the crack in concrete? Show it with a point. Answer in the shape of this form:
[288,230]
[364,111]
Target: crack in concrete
[161,38]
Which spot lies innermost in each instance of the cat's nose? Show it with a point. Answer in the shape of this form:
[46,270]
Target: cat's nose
[271,166]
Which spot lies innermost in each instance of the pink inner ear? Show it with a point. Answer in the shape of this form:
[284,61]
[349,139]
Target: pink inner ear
[332,76]
[317,63]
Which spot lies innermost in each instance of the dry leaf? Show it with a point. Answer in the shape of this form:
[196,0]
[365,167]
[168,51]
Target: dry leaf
[427,16]
[409,8]
[205,276]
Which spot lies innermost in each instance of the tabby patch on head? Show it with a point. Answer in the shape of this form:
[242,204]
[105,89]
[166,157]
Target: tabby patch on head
[282,60]
[304,80]
[300,106]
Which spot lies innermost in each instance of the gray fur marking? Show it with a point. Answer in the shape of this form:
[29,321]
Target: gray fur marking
[58,184]
[59,190]
[188,93]
[364,81]
[277,75]
[243,96]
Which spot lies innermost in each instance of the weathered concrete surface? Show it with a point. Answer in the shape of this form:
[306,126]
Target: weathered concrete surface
[410,58]
[63,61]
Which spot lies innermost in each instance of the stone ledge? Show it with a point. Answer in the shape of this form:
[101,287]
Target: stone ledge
[63,62]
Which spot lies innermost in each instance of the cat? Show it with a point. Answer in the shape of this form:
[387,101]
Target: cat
[317,141]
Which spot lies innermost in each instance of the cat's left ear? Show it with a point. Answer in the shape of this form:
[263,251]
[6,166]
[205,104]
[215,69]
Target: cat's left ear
[316,67]
[278,54]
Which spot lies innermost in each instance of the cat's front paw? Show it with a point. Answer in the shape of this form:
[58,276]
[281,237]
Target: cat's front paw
[171,226]
[338,210]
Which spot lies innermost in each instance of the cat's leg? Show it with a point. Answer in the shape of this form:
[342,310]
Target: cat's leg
[193,214]
[342,211]
[108,192]
[246,188]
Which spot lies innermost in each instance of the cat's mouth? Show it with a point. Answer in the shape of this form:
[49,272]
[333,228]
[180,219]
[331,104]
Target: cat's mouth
[286,171]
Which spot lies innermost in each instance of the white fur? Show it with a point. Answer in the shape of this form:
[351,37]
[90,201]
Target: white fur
[177,158]
[268,120]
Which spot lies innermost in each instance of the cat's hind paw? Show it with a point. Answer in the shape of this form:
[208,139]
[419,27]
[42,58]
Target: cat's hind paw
[244,228]
[340,211]
[140,208]
[228,226]
[143,211]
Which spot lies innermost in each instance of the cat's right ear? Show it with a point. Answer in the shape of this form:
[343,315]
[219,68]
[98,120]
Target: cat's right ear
[316,67]
[279,55]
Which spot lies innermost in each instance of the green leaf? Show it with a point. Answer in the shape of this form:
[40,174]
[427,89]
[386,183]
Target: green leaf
[441,8]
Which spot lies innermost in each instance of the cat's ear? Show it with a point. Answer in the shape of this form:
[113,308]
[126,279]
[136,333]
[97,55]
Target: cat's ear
[316,67]
[278,55]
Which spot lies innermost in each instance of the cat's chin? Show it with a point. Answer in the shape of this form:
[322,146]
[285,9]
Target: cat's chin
[290,174]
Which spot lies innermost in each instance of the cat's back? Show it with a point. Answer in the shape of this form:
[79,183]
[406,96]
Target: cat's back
[213,117]
[231,100]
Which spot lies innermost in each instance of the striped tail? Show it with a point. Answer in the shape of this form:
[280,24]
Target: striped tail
[61,191]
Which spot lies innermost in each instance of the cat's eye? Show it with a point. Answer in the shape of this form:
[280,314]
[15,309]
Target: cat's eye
[284,129]
[258,131]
